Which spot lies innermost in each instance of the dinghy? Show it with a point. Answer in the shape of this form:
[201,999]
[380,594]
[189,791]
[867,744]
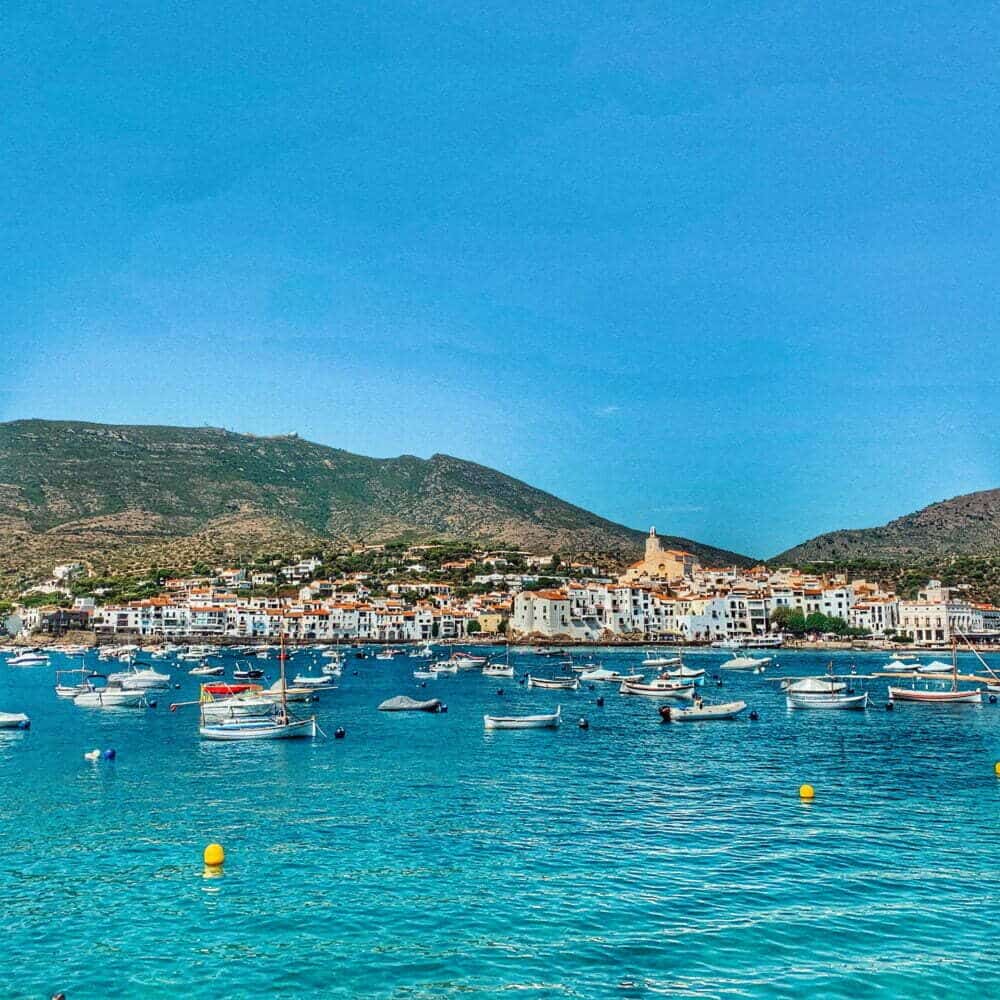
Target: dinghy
[523,721]
[14,720]
[554,683]
[703,713]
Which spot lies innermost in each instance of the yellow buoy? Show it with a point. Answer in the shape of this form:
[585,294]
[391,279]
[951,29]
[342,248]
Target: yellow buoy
[807,792]
[214,855]
[996,768]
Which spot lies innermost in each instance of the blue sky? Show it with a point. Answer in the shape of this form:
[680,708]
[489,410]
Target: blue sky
[725,268]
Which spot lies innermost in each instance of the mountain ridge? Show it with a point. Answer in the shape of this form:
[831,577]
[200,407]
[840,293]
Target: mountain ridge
[965,525]
[71,488]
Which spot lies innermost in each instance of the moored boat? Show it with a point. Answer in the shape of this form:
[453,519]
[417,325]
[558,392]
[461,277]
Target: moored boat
[601,675]
[702,712]
[746,663]
[206,670]
[658,689]
[523,721]
[14,720]
[554,683]
[973,697]
[29,658]
[112,695]
[498,670]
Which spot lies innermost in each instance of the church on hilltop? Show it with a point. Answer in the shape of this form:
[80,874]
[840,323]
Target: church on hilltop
[660,565]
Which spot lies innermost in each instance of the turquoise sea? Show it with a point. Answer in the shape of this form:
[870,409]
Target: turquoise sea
[421,857]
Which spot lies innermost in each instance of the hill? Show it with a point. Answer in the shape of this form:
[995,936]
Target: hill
[116,495]
[967,525]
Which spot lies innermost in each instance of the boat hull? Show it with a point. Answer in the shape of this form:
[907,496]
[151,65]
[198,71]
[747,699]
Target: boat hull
[828,700]
[554,684]
[707,713]
[254,730]
[936,697]
[681,691]
[523,722]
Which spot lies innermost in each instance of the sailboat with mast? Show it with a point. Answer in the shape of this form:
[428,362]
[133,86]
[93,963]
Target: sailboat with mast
[279,724]
[950,697]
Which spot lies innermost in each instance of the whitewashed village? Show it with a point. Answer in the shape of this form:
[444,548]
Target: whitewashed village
[666,596]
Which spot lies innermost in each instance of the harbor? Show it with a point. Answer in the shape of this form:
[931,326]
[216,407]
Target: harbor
[666,855]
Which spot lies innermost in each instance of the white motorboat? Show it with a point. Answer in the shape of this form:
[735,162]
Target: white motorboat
[385,654]
[312,681]
[111,696]
[554,683]
[685,673]
[29,658]
[897,666]
[334,669]
[746,662]
[445,667]
[602,675]
[14,720]
[466,661]
[425,675]
[140,680]
[661,661]
[658,689]
[332,654]
[297,693]
[206,670]
[196,653]
[248,673]
[498,670]
[702,712]
[523,721]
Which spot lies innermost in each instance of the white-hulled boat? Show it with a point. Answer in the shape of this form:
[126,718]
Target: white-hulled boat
[897,666]
[312,681]
[64,690]
[29,658]
[523,721]
[111,696]
[334,669]
[685,674]
[240,706]
[498,670]
[445,667]
[934,667]
[332,654]
[601,675]
[279,724]
[425,675]
[197,652]
[703,713]
[14,720]
[746,662]
[385,654]
[554,683]
[140,680]
[467,661]
[301,694]
[206,670]
[661,661]
[829,691]
[248,673]
[274,727]
[658,689]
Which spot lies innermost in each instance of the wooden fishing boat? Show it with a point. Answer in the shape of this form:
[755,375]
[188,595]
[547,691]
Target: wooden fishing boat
[703,713]
[826,699]
[523,721]
[554,683]
[954,696]
[658,689]
[974,697]
[276,727]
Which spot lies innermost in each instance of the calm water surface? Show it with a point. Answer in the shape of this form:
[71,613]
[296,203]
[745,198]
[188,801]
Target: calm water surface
[422,857]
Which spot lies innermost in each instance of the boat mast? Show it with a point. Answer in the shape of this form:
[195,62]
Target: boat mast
[281,665]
